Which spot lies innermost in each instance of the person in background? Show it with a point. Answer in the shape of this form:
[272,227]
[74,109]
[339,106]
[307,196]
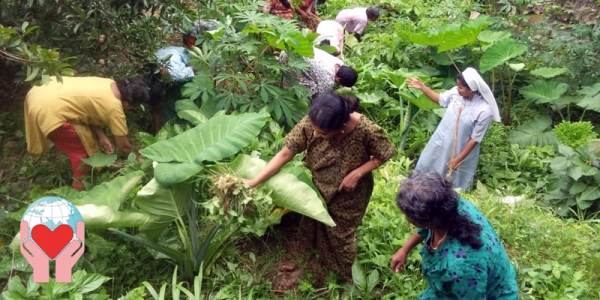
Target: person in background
[175,63]
[282,8]
[71,115]
[462,256]
[341,148]
[454,146]
[309,14]
[355,20]
[325,70]
[333,32]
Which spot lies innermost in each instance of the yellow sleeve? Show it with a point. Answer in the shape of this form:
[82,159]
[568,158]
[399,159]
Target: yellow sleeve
[117,122]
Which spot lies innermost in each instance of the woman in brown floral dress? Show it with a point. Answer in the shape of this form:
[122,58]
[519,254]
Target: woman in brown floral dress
[282,8]
[341,147]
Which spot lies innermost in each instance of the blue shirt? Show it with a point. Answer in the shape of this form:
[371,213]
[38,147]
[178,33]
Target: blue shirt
[177,64]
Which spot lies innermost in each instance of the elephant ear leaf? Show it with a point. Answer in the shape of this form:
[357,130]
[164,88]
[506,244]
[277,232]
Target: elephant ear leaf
[164,205]
[213,140]
[288,191]
[542,91]
[533,133]
[187,110]
[549,72]
[591,97]
[500,53]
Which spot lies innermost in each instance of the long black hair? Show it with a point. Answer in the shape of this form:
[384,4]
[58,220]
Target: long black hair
[330,111]
[429,200]
[133,91]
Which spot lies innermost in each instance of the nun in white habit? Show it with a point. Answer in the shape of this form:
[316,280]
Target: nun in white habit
[453,150]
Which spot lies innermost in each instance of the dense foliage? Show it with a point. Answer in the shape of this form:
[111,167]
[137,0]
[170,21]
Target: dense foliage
[183,224]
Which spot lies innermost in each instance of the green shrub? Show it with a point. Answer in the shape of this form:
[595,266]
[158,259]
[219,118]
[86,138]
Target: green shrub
[574,134]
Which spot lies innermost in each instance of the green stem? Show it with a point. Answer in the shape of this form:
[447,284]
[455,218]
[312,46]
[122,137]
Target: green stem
[582,114]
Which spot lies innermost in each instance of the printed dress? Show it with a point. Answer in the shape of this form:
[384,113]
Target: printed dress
[329,162]
[320,76]
[457,271]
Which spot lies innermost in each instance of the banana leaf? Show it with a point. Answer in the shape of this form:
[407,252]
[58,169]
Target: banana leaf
[288,191]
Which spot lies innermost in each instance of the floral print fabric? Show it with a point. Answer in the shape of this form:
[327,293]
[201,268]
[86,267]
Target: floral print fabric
[457,271]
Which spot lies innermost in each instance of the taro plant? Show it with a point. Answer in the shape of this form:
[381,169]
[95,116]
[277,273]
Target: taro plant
[173,197]
[497,50]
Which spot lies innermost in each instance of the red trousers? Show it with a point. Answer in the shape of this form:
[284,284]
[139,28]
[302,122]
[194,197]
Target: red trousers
[65,138]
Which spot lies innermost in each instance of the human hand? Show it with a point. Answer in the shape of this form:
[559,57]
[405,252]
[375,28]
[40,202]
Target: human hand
[415,83]
[70,255]
[140,159]
[349,182]
[398,260]
[38,260]
[107,144]
[250,182]
[454,163]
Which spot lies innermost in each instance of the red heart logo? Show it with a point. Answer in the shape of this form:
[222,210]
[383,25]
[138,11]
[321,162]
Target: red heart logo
[52,242]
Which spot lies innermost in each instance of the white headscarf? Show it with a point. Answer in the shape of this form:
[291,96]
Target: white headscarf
[476,83]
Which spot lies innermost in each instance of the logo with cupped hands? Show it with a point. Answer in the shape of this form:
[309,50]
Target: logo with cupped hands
[52,230]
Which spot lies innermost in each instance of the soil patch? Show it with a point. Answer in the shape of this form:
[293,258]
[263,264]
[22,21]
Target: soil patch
[295,263]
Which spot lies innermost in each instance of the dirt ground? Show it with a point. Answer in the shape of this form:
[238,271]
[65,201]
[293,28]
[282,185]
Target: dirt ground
[294,265]
[570,11]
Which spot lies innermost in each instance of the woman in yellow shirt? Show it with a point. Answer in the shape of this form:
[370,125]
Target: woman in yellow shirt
[71,115]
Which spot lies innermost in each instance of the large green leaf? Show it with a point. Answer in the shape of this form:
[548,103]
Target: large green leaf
[533,133]
[288,191]
[592,103]
[421,101]
[222,136]
[542,91]
[187,110]
[213,140]
[100,159]
[111,193]
[99,207]
[427,39]
[499,53]
[164,205]
[99,216]
[549,72]
[490,37]
[172,173]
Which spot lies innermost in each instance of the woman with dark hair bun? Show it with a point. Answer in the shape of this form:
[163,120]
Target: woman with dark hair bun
[341,147]
[71,115]
[463,257]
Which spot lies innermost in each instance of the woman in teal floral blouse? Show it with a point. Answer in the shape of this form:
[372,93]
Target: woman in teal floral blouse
[462,255]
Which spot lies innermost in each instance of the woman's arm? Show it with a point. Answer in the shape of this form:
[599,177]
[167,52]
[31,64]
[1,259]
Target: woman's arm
[280,159]
[156,116]
[351,180]
[126,147]
[416,83]
[103,139]
[98,131]
[399,258]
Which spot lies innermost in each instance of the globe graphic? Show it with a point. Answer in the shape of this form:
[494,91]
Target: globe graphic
[52,212]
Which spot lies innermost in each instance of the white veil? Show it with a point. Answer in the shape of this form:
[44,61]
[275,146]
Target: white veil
[476,83]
